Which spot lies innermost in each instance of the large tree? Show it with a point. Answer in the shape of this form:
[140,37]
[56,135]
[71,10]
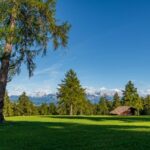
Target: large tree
[131,97]
[130,94]
[71,95]
[26,26]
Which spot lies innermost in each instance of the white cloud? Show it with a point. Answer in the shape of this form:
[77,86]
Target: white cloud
[144,92]
[37,85]
[53,70]
[46,89]
[102,91]
[31,91]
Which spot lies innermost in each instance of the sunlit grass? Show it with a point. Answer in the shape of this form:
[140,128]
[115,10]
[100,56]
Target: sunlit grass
[75,133]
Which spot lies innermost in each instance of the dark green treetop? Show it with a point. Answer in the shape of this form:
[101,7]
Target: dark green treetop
[71,95]
[116,101]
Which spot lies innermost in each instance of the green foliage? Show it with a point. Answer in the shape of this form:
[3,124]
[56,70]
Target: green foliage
[131,97]
[146,105]
[43,109]
[8,106]
[88,108]
[52,109]
[16,110]
[71,95]
[116,101]
[75,133]
[102,106]
[130,94]
[27,26]
[72,100]
[25,105]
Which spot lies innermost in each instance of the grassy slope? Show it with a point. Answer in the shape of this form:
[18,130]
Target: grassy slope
[75,133]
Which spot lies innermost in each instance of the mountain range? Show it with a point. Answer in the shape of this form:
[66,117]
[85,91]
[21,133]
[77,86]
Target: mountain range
[93,95]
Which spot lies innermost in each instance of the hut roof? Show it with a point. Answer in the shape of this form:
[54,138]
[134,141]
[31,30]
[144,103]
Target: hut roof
[119,110]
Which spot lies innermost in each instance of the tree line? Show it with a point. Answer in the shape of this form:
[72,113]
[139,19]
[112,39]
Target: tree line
[72,100]
[25,107]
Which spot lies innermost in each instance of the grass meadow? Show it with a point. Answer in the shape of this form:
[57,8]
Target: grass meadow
[75,133]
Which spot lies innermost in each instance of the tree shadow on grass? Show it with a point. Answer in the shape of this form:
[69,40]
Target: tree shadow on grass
[25,135]
[108,118]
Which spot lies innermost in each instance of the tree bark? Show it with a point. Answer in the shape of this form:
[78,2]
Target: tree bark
[5,62]
[3,82]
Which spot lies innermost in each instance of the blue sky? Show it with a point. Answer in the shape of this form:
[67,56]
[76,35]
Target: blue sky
[109,45]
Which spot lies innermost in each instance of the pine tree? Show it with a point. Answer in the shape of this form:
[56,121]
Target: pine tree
[102,106]
[16,110]
[25,105]
[26,26]
[71,95]
[131,97]
[8,106]
[116,101]
[130,94]
[146,105]
[43,109]
[52,109]
[138,105]
[88,108]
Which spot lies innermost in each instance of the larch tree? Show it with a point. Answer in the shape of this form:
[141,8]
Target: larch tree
[26,27]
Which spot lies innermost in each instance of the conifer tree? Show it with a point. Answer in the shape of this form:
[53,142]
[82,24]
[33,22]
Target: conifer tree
[43,109]
[16,109]
[71,95]
[102,106]
[130,94]
[131,97]
[52,109]
[88,108]
[26,26]
[146,105]
[116,101]
[8,106]
[138,105]
[25,105]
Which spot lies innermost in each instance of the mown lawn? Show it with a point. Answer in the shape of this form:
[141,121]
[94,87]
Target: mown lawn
[75,133]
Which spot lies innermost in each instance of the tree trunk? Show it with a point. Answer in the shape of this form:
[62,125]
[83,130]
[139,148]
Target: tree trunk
[5,62]
[71,110]
[3,82]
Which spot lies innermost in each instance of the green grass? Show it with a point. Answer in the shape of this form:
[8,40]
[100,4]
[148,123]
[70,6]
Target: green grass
[75,133]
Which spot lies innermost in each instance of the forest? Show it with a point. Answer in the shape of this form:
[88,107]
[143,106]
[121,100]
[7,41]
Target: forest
[72,100]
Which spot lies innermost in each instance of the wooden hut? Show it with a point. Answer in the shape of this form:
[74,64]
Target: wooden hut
[123,111]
